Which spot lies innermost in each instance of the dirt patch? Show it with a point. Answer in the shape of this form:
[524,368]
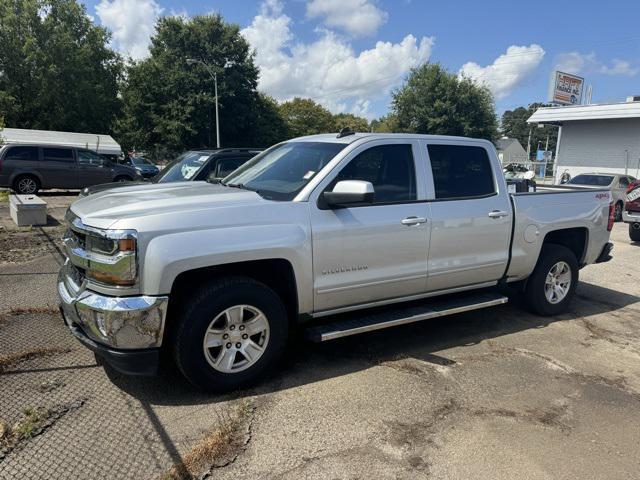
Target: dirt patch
[218,448]
[551,417]
[34,421]
[17,246]
[11,359]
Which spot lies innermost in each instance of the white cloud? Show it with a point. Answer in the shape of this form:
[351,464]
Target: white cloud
[588,63]
[507,71]
[357,17]
[328,70]
[132,23]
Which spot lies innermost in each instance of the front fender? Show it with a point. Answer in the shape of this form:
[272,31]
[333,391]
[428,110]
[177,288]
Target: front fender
[169,255]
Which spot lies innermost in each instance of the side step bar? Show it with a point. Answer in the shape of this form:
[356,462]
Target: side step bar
[344,325]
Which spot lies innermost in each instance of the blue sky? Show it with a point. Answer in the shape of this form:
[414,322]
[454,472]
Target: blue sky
[348,54]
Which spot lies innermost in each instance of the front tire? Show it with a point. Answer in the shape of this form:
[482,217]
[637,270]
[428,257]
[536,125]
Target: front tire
[552,285]
[634,231]
[26,185]
[229,334]
[123,178]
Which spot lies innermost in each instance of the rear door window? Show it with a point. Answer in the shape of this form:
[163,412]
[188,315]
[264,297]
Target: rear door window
[22,154]
[57,155]
[461,171]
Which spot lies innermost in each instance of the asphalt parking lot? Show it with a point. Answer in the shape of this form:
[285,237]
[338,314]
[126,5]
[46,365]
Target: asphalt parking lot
[492,394]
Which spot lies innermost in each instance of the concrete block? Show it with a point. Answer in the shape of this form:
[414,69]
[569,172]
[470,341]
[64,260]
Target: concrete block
[27,210]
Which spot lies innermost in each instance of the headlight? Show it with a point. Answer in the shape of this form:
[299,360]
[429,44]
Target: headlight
[112,257]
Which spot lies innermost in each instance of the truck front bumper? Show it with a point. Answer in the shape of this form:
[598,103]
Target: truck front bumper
[630,217]
[125,331]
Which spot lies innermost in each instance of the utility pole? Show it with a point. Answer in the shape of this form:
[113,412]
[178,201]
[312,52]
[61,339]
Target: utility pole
[529,146]
[215,83]
[214,75]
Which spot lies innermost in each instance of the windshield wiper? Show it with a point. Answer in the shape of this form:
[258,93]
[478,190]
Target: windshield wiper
[241,186]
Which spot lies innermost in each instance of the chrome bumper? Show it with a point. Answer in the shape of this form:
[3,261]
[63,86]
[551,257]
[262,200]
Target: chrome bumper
[628,217]
[120,322]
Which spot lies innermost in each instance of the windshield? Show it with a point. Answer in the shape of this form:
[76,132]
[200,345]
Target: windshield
[282,171]
[183,168]
[597,180]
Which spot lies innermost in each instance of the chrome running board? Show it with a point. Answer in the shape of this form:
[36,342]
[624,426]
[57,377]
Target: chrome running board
[353,323]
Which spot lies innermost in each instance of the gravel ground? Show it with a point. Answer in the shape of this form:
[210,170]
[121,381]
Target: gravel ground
[495,394]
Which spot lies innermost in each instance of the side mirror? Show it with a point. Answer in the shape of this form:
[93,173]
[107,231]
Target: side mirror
[212,178]
[349,193]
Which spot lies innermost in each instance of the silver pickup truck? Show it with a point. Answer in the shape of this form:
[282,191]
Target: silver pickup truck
[329,235]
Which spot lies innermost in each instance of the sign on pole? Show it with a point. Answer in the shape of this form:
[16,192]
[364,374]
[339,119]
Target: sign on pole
[566,89]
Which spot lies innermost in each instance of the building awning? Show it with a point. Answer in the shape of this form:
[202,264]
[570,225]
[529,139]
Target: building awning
[103,144]
[559,115]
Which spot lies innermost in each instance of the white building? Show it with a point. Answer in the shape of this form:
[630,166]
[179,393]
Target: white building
[510,151]
[601,138]
[103,144]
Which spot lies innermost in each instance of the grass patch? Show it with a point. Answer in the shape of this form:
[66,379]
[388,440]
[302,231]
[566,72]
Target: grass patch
[32,310]
[10,359]
[33,422]
[4,196]
[219,447]
[14,312]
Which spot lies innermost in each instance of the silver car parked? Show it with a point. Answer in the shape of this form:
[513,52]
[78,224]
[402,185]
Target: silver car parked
[617,183]
[28,168]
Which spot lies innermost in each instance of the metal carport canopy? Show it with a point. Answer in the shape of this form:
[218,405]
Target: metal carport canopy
[104,144]
[605,111]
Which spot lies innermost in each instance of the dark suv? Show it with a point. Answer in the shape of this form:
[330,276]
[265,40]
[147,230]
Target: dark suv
[29,168]
[195,165]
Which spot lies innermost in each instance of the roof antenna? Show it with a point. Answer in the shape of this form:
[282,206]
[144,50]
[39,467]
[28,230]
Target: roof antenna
[346,131]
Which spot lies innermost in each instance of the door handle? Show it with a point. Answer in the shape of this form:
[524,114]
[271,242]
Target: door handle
[498,214]
[413,221]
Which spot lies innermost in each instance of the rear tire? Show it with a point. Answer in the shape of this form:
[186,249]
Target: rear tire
[26,185]
[222,313]
[552,285]
[634,231]
[123,178]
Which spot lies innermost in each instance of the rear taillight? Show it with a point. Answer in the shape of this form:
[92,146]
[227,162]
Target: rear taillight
[612,216]
[632,186]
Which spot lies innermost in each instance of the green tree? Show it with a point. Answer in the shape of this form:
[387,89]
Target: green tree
[349,120]
[170,104]
[56,70]
[435,101]
[303,117]
[269,122]
[386,124]
[514,125]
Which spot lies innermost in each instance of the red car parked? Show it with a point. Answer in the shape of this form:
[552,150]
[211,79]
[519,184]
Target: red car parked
[631,214]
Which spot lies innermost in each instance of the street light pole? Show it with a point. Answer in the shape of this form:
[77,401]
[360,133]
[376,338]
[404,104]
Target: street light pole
[214,75]
[215,83]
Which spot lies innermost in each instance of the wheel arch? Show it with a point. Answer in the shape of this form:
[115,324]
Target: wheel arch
[276,273]
[30,173]
[575,239]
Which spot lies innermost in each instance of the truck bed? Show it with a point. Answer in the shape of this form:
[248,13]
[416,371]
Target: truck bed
[555,207]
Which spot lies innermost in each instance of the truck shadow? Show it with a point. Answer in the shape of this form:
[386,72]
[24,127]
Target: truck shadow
[309,362]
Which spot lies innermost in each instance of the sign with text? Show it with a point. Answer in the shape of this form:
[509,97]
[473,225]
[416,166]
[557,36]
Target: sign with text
[566,89]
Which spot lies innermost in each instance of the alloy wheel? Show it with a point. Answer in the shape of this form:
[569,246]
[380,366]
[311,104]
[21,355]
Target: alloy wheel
[236,338]
[558,282]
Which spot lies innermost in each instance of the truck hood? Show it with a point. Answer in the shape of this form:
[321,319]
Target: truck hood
[103,209]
